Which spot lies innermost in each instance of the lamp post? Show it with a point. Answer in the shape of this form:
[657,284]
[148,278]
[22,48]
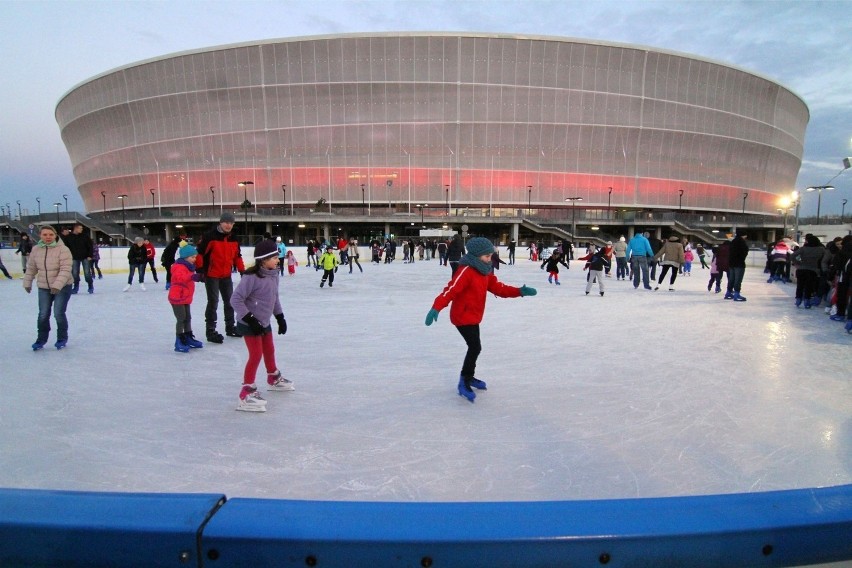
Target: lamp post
[529,200]
[362,199]
[284,190]
[573,201]
[745,196]
[123,196]
[843,209]
[818,189]
[57,205]
[38,200]
[421,206]
[448,198]
[609,204]
[213,197]
[680,199]
[246,203]
[65,197]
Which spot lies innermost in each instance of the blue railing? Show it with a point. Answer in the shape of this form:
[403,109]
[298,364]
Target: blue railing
[69,529]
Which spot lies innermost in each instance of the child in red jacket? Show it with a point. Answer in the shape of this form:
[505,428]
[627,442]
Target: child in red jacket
[181,291]
[467,292]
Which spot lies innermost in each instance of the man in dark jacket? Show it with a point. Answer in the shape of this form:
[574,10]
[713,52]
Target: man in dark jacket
[736,268]
[81,247]
[218,255]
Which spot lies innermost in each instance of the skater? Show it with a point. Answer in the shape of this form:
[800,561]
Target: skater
[354,255]
[136,258]
[25,247]
[282,255]
[553,262]
[329,263]
[167,259]
[50,266]
[467,292]
[255,302]
[150,257]
[292,263]
[218,255]
[671,256]
[183,279]
[598,261]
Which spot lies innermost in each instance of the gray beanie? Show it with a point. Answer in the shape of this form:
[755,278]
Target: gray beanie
[478,246]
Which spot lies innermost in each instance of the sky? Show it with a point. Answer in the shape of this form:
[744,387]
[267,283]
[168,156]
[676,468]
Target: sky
[51,46]
[628,395]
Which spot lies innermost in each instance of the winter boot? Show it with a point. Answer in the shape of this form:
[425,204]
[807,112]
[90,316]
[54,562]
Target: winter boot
[190,341]
[250,400]
[231,331]
[60,343]
[477,384]
[465,390]
[180,346]
[738,298]
[214,336]
[278,383]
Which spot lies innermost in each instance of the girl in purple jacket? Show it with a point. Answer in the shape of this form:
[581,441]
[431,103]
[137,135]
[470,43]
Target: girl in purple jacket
[255,302]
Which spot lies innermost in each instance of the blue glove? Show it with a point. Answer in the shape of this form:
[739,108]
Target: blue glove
[432,316]
[527,291]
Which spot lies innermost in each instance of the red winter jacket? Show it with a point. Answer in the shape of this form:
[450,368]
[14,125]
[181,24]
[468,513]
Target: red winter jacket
[183,286]
[218,253]
[467,291]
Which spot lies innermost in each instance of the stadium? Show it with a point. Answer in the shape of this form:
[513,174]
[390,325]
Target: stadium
[377,135]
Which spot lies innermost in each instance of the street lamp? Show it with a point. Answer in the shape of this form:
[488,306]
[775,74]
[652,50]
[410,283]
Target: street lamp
[419,206]
[529,200]
[103,194]
[680,199]
[573,201]
[745,196]
[123,196]
[818,189]
[246,203]
[152,190]
[284,189]
[65,196]
[58,204]
[38,200]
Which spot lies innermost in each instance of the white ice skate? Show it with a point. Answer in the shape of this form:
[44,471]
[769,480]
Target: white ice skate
[279,383]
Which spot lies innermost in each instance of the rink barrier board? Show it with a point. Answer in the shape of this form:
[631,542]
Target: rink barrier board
[69,529]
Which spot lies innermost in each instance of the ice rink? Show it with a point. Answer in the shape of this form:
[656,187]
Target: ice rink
[634,394]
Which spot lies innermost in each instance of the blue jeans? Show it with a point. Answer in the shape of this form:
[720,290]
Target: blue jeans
[638,263]
[87,271]
[59,303]
[735,278]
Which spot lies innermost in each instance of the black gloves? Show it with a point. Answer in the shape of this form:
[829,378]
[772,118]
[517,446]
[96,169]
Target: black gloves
[282,324]
[254,325]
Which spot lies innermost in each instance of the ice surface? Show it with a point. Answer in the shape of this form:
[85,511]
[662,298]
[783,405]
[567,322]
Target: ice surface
[634,394]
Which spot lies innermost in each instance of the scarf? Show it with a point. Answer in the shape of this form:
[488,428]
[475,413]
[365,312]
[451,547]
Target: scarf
[484,268]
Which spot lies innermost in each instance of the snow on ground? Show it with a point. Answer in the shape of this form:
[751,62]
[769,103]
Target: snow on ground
[634,394]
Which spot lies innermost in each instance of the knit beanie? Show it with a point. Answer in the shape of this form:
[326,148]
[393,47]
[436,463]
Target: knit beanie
[478,246]
[264,249]
[187,250]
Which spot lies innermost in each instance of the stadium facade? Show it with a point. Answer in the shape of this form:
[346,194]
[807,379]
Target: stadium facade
[450,128]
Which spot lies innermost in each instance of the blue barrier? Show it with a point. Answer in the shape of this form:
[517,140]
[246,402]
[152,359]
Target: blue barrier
[781,528]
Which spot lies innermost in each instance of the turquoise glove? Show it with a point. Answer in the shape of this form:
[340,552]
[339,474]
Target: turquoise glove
[432,316]
[527,291]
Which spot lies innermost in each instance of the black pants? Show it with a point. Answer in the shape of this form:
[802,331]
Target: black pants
[470,333]
[214,287]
